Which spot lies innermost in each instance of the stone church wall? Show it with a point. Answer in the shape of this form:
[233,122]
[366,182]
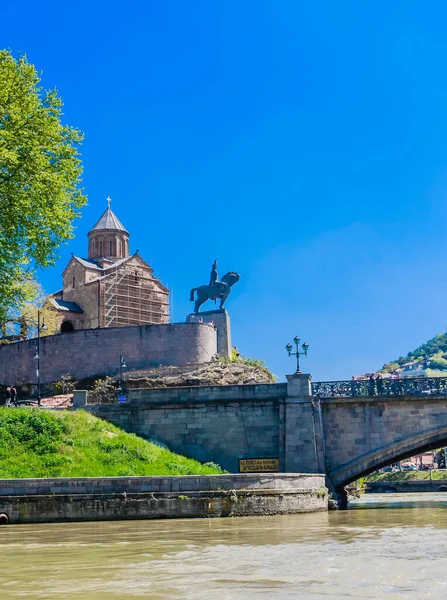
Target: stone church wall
[87,297]
[92,352]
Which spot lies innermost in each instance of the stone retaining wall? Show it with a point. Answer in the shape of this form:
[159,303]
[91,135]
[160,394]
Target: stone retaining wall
[220,424]
[118,498]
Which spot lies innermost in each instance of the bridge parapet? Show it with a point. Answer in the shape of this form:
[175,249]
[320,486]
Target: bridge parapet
[409,386]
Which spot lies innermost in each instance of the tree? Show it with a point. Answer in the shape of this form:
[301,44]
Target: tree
[23,320]
[390,367]
[40,174]
[437,361]
[434,350]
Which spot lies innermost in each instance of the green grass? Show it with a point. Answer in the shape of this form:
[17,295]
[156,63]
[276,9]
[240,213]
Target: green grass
[37,443]
[406,476]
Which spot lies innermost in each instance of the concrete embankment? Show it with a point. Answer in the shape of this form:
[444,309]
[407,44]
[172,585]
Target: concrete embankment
[121,498]
[426,485]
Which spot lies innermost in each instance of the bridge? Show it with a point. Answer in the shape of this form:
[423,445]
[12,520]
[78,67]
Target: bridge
[345,429]
[385,386]
[365,428]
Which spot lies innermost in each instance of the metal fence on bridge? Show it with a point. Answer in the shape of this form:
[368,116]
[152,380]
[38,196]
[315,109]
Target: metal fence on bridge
[411,386]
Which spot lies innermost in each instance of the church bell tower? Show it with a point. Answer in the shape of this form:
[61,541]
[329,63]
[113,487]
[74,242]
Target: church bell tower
[109,238]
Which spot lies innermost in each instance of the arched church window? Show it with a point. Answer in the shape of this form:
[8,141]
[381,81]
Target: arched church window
[100,248]
[74,282]
[111,248]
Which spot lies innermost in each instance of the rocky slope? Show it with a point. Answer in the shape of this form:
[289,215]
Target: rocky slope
[215,373]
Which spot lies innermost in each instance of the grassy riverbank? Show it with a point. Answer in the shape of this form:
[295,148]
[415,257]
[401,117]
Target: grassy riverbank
[407,476]
[39,443]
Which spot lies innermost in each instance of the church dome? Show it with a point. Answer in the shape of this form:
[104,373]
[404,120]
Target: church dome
[109,221]
[108,238]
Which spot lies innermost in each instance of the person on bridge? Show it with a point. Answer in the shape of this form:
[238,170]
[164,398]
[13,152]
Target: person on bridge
[379,383]
[372,385]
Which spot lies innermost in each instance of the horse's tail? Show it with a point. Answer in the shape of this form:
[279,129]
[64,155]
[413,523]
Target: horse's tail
[191,296]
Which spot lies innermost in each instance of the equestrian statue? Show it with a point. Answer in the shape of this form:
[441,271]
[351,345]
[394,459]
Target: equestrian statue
[216,290]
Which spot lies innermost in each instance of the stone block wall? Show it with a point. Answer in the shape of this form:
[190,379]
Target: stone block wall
[92,352]
[218,424]
[88,297]
[138,485]
[363,434]
[221,321]
[118,498]
[300,435]
[343,438]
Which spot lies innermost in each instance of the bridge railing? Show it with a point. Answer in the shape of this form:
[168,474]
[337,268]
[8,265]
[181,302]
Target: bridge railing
[411,386]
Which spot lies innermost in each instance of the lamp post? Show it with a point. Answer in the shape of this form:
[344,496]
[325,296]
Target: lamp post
[305,347]
[40,328]
[122,366]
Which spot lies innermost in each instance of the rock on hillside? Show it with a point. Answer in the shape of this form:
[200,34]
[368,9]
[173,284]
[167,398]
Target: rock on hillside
[240,372]
[243,371]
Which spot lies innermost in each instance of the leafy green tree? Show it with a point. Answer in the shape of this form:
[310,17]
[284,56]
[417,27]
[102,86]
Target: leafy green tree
[434,349]
[40,174]
[390,367]
[24,319]
[437,361]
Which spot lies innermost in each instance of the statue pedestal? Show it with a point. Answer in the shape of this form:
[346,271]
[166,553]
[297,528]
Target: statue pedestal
[221,321]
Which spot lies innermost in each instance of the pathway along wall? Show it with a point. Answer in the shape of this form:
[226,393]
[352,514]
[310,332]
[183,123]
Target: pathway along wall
[91,352]
[120,498]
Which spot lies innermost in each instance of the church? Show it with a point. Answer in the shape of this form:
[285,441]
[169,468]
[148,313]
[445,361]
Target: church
[110,288]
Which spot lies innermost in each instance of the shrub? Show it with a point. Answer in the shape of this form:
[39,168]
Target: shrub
[256,363]
[66,385]
[103,391]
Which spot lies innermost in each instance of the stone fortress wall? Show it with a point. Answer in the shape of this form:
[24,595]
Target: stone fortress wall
[89,352]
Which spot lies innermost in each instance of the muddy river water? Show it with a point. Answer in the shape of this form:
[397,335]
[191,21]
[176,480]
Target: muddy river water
[390,546]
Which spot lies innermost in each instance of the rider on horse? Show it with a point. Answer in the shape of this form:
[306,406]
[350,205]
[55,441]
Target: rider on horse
[217,287]
[216,290]
[213,276]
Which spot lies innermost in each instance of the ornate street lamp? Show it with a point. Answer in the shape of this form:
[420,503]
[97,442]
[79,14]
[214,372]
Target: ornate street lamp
[122,366]
[40,328]
[305,348]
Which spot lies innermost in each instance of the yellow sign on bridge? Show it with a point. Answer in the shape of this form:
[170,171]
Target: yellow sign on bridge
[258,465]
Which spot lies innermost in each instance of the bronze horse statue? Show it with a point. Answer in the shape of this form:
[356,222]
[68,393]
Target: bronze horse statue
[219,291]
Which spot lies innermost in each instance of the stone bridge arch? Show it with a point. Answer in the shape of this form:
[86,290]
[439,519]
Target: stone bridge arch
[339,435]
[358,435]
[385,455]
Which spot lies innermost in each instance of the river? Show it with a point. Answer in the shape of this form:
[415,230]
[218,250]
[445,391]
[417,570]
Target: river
[387,546]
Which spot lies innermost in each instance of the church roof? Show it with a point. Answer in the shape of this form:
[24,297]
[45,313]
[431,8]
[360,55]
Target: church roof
[109,221]
[119,262]
[65,305]
[87,262]
[93,264]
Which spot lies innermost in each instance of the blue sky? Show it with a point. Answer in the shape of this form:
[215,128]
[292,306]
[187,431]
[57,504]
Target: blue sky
[304,144]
